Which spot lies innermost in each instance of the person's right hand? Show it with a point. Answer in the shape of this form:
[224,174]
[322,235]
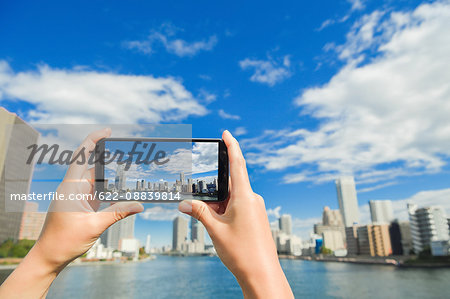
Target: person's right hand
[240,231]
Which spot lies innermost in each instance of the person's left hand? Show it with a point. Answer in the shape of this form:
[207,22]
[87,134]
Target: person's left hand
[70,229]
[73,226]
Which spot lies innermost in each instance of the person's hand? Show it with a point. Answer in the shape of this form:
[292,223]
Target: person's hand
[73,226]
[70,229]
[240,231]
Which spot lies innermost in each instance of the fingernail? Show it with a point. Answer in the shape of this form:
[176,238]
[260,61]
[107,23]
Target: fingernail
[185,206]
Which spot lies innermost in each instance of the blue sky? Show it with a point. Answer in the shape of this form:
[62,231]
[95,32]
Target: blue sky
[313,90]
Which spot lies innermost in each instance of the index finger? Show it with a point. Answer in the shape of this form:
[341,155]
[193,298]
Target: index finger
[238,168]
[76,170]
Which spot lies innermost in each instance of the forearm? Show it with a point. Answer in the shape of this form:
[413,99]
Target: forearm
[266,282]
[31,279]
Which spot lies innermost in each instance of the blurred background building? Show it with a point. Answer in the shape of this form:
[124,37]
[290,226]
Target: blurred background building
[348,202]
[15,174]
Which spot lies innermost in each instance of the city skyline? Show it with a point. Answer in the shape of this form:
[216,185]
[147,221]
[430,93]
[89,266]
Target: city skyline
[194,161]
[303,115]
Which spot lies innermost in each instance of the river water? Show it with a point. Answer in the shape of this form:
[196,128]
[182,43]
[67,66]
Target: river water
[206,277]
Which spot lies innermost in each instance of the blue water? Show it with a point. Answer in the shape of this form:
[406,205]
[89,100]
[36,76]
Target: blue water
[206,277]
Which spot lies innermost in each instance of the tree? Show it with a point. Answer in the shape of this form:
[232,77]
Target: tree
[325,250]
[9,248]
[425,253]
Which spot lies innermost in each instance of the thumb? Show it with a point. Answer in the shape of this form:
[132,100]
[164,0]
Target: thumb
[119,211]
[199,210]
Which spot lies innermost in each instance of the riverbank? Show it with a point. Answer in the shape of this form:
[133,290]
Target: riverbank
[185,254]
[12,263]
[395,261]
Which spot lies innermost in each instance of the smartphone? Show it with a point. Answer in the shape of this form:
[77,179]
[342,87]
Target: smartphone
[161,169]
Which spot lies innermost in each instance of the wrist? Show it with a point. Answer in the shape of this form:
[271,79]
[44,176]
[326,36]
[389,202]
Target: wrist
[32,278]
[265,280]
[47,259]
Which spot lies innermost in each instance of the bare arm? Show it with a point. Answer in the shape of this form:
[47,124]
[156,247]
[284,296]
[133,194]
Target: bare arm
[70,229]
[240,231]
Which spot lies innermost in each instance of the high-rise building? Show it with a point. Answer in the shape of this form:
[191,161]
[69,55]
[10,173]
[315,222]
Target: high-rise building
[331,229]
[396,238]
[147,245]
[348,202]
[180,232]
[182,178]
[189,185]
[405,232]
[201,185]
[120,179]
[32,222]
[351,236]
[381,211]
[285,223]
[427,224]
[332,217]
[294,245]
[401,241]
[281,243]
[333,239]
[374,240]
[197,231]
[123,229]
[15,174]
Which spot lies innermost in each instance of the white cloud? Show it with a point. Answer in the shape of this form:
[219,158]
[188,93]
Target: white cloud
[384,118]
[269,71]
[183,48]
[159,213]
[205,77]
[365,34]
[88,96]
[144,47]
[275,212]
[239,131]
[225,115]
[357,4]
[207,96]
[325,24]
[204,157]
[166,37]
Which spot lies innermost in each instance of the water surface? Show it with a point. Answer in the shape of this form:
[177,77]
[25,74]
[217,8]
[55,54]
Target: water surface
[206,277]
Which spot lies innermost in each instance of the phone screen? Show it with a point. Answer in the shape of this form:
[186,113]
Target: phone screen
[161,169]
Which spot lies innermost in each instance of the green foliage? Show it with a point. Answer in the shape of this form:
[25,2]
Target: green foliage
[425,253]
[325,250]
[9,248]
